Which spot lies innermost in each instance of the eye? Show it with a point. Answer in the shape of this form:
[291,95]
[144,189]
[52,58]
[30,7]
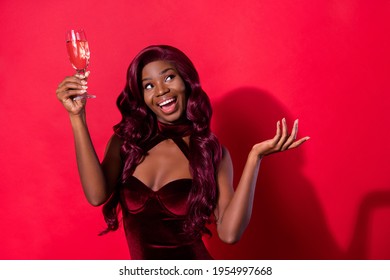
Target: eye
[148,86]
[169,77]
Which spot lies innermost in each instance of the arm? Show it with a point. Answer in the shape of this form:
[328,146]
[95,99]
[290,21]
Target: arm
[98,180]
[234,209]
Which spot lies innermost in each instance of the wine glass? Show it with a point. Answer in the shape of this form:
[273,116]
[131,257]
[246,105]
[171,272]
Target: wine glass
[79,54]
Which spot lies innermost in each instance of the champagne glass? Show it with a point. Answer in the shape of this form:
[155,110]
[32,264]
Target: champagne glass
[79,54]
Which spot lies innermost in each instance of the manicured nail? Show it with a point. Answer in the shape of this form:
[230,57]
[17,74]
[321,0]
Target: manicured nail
[84,87]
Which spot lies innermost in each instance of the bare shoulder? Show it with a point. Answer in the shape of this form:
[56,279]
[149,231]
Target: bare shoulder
[113,148]
[114,144]
[115,140]
[112,162]
[225,170]
[225,183]
[226,161]
[225,152]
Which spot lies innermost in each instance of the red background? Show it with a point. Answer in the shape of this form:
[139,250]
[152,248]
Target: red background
[324,62]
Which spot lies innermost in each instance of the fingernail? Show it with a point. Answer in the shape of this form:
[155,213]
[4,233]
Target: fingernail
[84,87]
[84,82]
[87,73]
[83,91]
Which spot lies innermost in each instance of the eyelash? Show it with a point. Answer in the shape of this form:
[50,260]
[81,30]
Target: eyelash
[171,77]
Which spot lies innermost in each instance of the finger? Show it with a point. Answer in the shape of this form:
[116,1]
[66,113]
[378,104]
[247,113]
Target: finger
[65,94]
[70,88]
[292,137]
[69,94]
[73,79]
[283,137]
[278,134]
[74,85]
[284,128]
[70,85]
[298,142]
[83,76]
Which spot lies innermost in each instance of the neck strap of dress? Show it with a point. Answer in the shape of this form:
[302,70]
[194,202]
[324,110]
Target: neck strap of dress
[176,132]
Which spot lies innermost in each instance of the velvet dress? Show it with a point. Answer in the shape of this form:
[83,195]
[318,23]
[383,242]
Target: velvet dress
[153,220]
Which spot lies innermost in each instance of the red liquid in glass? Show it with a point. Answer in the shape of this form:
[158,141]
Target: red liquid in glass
[78,54]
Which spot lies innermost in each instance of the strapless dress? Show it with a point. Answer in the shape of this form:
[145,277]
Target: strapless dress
[153,220]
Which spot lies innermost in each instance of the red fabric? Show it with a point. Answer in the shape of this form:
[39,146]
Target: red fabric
[175,130]
[153,221]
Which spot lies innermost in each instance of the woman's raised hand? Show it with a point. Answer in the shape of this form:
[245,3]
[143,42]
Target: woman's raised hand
[71,87]
[282,140]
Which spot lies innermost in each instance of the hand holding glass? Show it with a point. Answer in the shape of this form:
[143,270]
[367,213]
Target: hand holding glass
[79,54]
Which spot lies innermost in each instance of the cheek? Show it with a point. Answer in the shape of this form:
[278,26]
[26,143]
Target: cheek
[182,88]
[148,101]
[147,97]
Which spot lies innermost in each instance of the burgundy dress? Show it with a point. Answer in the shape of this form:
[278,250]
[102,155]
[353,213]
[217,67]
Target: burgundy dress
[153,220]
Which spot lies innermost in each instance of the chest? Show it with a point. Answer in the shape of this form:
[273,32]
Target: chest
[163,163]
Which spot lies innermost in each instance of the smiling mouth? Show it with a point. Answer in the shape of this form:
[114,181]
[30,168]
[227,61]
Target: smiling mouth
[167,102]
[168,106]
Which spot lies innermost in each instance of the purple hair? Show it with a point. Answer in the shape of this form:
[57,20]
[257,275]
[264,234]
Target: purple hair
[139,125]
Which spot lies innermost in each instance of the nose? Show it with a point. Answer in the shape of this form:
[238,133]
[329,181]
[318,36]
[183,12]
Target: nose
[162,89]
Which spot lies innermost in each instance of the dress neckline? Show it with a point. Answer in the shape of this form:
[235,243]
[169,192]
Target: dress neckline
[166,186]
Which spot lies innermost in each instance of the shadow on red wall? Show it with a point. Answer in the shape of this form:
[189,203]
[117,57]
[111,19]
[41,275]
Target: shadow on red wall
[360,240]
[287,221]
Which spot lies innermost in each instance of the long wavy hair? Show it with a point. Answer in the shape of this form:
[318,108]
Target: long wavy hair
[139,125]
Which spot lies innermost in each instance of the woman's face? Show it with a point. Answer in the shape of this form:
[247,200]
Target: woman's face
[164,91]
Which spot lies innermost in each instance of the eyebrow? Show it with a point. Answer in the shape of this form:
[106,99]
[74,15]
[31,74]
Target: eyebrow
[161,73]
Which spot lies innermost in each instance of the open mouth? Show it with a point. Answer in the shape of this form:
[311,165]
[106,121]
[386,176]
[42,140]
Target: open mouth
[168,105]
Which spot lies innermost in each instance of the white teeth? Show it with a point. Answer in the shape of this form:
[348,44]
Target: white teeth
[165,102]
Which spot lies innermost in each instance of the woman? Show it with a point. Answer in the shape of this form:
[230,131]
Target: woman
[163,165]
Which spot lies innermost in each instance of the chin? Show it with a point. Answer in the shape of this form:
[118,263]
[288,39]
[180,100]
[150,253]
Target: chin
[171,118]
